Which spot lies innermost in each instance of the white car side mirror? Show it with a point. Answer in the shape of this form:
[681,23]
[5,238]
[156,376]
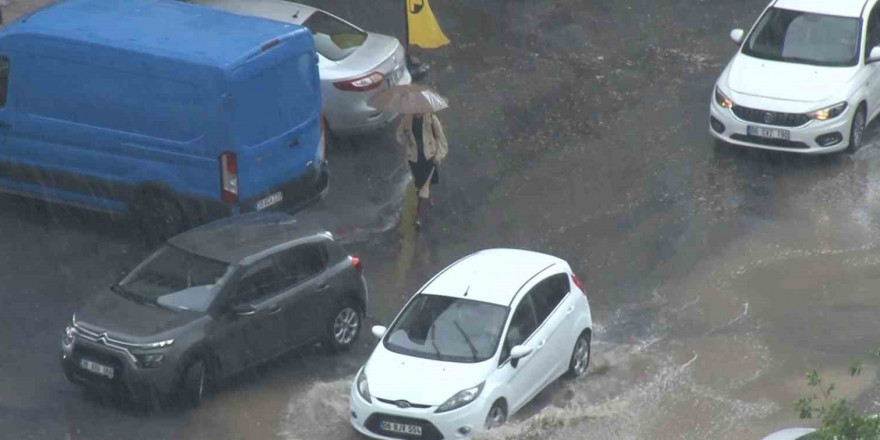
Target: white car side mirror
[737,36]
[379,331]
[520,351]
[874,56]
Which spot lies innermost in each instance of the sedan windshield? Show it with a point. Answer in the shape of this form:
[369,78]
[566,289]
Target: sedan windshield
[447,329]
[802,37]
[175,278]
[334,38]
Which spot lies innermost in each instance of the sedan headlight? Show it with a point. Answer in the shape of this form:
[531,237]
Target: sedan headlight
[829,112]
[362,386]
[150,360]
[721,99]
[461,398]
[69,335]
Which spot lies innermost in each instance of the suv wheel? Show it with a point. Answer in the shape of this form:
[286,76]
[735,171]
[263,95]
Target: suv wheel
[193,384]
[343,327]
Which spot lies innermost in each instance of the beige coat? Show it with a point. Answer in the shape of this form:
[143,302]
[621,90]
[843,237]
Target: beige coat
[436,146]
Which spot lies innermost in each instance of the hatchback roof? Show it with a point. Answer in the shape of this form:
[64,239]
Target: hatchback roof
[233,239]
[493,275]
[164,28]
[843,8]
[280,10]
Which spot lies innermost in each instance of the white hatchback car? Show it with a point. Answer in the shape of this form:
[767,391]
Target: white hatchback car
[805,78]
[473,346]
[353,63]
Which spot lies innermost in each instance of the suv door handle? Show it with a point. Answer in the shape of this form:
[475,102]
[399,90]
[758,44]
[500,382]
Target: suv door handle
[274,309]
[323,287]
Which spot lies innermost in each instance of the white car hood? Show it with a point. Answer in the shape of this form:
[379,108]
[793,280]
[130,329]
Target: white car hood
[789,434]
[786,81]
[421,381]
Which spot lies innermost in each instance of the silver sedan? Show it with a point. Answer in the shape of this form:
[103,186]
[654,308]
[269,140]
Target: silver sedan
[793,434]
[353,63]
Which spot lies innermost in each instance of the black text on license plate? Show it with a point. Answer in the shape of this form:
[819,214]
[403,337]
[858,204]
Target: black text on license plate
[269,201]
[772,133]
[96,368]
[401,428]
[394,76]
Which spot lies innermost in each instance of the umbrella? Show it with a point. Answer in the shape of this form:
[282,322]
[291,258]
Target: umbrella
[409,99]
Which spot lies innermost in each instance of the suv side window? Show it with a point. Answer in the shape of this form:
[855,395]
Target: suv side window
[4,80]
[873,34]
[548,294]
[522,325]
[259,281]
[301,263]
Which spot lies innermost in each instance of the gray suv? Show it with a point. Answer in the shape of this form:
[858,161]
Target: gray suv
[213,301]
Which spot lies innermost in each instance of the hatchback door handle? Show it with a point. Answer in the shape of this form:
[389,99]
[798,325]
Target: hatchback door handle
[541,345]
[274,310]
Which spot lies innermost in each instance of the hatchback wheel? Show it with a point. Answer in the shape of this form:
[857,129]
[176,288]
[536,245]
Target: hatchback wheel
[857,131]
[580,356]
[343,328]
[497,416]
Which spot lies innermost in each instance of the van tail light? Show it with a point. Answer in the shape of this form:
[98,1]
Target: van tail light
[356,262]
[578,283]
[362,84]
[229,177]
[323,136]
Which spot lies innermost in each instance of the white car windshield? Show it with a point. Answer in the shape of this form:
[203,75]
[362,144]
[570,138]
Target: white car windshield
[807,38]
[447,329]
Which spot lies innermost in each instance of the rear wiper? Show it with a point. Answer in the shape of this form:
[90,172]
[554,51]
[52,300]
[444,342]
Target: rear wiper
[468,340]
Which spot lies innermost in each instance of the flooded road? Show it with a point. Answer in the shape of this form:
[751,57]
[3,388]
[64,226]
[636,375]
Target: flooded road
[718,276]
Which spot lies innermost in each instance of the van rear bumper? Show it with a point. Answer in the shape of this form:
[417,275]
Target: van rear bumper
[310,187]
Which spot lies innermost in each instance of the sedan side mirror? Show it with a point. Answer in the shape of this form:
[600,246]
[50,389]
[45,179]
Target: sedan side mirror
[737,36]
[874,56]
[379,331]
[244,309]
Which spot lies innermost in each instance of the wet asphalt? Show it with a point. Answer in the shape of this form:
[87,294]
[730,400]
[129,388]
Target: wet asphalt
[718,276]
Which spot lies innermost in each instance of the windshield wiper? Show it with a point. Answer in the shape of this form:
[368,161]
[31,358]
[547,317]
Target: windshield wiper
[434,344]
[125,293]
[468,340]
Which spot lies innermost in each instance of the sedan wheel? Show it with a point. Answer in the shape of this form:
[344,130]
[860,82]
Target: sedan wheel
[580,356]
[497,416]
[857,131]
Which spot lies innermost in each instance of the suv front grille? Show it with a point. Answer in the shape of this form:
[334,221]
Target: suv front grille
[770,118]
[429,431]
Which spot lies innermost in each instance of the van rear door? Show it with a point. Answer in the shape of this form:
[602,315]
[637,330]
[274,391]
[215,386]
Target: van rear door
[276,119]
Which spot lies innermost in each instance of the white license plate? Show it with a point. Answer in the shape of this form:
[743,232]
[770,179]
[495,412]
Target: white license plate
[394,77]
[269,201]
[400,428]
[96,368]
[772,133]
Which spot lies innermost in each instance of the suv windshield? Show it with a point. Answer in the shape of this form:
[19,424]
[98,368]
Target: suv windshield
[334,38]
[447,329]
[175,278]
[802,37]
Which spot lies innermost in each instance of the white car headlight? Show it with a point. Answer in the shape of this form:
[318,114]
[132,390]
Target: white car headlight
[461,398]
[722,100]
[829,112]
[362,386]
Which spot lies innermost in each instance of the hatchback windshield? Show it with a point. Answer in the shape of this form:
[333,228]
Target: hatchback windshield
[334,38]
[802,37]
[175,278]
[447,329]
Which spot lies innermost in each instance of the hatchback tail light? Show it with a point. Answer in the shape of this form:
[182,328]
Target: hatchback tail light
[362,84]
[578,283]
[356,262]
[229,177]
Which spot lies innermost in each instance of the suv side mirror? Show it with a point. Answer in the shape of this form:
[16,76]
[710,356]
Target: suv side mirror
[737,36]
[379,331]
[243,309]
[874,56]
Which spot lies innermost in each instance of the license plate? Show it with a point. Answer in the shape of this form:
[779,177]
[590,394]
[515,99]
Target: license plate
[400,428]
[269,201]
[96,368]
[772,133]
[394,77]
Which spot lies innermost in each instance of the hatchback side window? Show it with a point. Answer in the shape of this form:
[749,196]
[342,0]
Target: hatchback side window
[522,325]
[4,80]
[301,263]
[548,294]
[258,282]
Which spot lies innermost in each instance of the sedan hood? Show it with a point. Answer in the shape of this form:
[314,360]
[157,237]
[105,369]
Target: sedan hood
[786,81]
[790,434]
[128,320]
[376,49]
[393,376]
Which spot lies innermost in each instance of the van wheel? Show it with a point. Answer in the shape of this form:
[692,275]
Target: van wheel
[343,327]
[158,216]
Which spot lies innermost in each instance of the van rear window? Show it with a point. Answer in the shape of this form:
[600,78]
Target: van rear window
[275,100]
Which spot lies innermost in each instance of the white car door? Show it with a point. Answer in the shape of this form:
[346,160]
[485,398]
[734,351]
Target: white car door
[523,375]
[553,311]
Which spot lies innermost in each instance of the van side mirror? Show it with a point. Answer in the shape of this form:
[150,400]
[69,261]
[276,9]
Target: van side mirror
[737,36]
[874,56]
[243,309]
[379,331]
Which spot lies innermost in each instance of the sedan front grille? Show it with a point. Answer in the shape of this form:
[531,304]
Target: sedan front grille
[770,118]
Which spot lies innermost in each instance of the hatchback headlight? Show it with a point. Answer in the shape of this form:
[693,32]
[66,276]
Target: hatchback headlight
[362,386]
[721,99]
[461,398]
[829,112]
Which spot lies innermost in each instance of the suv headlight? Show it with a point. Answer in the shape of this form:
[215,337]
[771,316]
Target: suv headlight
[69,335]
[362,386]
[721,99]
[461,398]
[829,112]
[160,344]
[150,360]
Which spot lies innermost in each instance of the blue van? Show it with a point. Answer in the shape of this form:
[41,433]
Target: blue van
[173,113]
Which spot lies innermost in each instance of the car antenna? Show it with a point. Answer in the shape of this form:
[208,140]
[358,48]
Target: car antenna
[296,15]
[467,290]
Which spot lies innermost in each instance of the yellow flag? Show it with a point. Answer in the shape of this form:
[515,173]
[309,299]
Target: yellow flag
[422,27]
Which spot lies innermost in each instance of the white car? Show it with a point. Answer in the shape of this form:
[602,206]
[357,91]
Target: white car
[473,346]
[793,434]
[805,79]
[353,63]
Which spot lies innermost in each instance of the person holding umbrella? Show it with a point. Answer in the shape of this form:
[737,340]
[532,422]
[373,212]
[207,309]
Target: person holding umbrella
[420,133]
